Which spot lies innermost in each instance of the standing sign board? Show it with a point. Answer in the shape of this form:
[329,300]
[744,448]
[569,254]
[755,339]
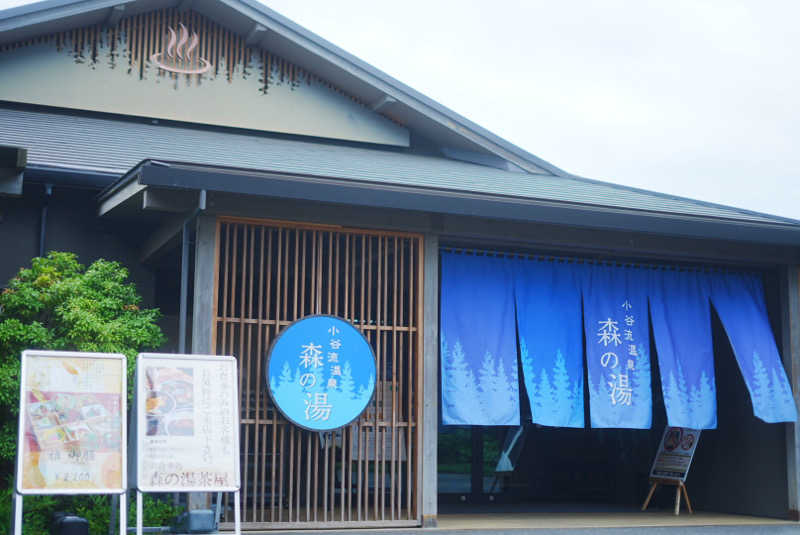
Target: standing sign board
[187,421]
[672,462]
[675,453]
[72,423]
[72,432]
[186,426]
[321,373]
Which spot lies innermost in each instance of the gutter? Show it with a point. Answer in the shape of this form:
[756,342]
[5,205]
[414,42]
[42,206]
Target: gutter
[64,177]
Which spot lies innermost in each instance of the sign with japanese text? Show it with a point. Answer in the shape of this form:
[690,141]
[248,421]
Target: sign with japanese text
[72,423]
[321,373]
[617,347]
[675,453]
[187,423]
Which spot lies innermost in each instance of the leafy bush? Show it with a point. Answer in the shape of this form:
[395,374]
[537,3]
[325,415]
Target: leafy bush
[59,304]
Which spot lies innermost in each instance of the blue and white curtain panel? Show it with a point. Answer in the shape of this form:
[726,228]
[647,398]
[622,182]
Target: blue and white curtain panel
[479,374]
[617,346]
[680,312]
[548,298]
[739,301]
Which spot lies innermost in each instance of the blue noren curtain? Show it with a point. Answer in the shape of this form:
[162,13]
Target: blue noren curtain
[617,346]
[739,301]
[479,378]
[681,316]
[548,298]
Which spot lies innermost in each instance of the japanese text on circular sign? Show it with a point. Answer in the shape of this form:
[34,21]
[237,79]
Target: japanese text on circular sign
[321,373]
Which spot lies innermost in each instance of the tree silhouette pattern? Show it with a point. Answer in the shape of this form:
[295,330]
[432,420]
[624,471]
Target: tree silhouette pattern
[486,396]
[556,398]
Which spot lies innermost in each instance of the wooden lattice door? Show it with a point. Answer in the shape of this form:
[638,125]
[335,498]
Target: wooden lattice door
[270,274]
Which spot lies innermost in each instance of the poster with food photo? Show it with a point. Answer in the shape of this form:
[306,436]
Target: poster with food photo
[187,421]
[169,405]
[72,415]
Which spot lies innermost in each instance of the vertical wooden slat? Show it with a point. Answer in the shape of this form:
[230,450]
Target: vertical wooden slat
[245,340]
[384,359]
[302,280]
[291,472]
[326,460]
[301,435]
[280,473]
[259,460]
[409,381]
[297,266]
[316,475]
[331,276]
[417,355]
[318,238]
[393,493]
[342,480]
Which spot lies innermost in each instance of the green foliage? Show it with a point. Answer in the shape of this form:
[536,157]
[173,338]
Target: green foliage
[59,304]
[155,512]
[96,510]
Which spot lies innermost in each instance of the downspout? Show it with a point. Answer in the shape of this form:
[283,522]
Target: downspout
[48,191]
[201,205]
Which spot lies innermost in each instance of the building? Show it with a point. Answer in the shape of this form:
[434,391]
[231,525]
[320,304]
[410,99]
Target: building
[251,173]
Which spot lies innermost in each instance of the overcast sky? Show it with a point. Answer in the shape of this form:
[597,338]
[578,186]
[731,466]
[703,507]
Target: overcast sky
[694,98]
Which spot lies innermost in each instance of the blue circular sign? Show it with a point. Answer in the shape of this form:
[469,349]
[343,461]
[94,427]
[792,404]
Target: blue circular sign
[321,373]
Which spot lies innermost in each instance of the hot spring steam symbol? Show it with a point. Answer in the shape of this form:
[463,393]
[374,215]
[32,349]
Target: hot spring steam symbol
[179,57]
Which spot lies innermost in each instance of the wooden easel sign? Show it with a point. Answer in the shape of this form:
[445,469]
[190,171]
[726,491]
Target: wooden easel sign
[672,463]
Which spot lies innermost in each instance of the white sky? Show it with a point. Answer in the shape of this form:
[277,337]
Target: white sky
[699,98]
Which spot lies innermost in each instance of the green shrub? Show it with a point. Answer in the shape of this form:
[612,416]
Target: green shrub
[59,304]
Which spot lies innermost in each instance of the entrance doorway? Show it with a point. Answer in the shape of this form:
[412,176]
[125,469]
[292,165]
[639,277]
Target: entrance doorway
[738,468]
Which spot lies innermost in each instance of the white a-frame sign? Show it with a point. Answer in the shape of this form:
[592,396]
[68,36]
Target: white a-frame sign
[185,427]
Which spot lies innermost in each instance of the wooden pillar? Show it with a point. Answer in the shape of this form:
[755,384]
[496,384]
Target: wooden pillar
[790,342]
[205,252]
[430,411]
[204,284]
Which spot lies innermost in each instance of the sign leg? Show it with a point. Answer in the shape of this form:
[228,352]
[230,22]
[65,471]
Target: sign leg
[237,514]
[678,500]
[112,514]
[123,513]
[139,519]
[17,513]
[653,486]
[686,496]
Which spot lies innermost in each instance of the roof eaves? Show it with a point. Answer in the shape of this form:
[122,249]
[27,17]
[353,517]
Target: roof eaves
[48,10]
[774,222]
[743,211]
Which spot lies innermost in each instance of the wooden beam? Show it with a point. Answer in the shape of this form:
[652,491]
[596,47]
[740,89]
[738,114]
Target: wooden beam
[790,342]
[173,201]
[12,162]
[430,387]
[162,239]
[515,234]
[125,193]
